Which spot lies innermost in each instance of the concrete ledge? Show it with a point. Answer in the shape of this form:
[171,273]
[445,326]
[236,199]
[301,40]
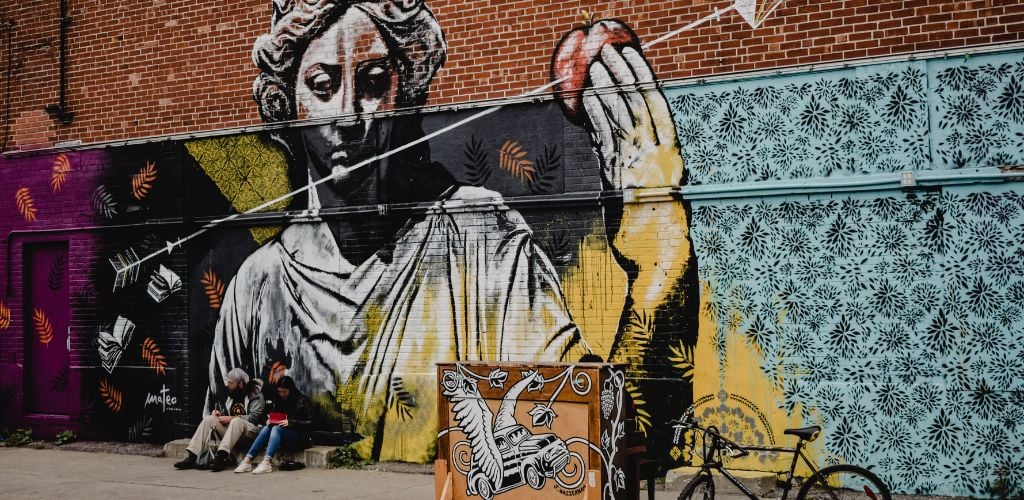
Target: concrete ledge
[314,456]
[758,482]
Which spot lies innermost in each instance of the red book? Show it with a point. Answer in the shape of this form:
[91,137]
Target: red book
[276,417]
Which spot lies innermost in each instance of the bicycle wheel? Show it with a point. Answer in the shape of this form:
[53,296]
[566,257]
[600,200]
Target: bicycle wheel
[701,487]
[844,482]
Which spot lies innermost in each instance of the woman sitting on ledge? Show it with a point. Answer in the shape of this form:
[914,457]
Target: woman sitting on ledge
[288,426]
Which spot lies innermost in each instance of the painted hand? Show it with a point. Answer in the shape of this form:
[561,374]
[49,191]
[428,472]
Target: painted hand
[632,130]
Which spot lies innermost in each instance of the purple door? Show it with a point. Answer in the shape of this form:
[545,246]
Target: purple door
[47,319]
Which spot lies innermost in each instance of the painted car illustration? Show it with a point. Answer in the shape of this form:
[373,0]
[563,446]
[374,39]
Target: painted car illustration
[498,453]
[527,458]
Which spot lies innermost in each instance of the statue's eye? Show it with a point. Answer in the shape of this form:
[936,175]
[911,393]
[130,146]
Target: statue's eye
[373,78]
[322,81]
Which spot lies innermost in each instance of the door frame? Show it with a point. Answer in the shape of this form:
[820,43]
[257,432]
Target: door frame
[44,425]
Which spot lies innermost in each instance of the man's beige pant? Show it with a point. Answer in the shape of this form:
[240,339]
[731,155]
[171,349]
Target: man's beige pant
[230,435]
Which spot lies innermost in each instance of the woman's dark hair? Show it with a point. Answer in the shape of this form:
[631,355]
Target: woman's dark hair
[287,382]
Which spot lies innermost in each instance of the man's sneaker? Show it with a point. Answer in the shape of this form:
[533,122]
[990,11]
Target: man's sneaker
[243,467]
[221,461]
[188,463]
[263,468]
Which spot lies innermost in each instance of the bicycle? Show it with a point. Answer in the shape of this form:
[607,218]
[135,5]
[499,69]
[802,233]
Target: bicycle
[836,482]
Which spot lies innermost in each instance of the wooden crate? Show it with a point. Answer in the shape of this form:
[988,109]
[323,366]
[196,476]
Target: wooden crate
[513,430]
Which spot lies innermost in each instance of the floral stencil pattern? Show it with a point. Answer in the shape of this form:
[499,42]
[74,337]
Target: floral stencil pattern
[895,319]
[922,115]
[818,125]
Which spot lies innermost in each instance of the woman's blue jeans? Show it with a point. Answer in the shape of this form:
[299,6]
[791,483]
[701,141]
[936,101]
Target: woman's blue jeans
[273,437]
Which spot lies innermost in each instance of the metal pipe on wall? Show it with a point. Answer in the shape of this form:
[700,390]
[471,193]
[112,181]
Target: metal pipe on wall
[60,111]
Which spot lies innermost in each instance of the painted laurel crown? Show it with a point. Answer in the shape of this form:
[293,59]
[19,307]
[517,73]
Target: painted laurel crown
[390,10]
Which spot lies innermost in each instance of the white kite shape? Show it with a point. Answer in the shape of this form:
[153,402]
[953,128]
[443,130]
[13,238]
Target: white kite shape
[754,12]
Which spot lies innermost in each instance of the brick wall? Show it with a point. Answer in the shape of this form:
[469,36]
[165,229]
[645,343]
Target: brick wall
[147,68]
[778,294]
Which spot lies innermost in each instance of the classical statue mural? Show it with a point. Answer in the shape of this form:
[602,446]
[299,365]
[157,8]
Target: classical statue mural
[364,306]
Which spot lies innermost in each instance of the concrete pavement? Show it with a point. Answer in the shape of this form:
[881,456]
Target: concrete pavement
[58,474]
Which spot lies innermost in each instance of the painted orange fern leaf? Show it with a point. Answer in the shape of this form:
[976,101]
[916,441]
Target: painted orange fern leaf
[214,288]
[5,316]
[512,159]
[151,353]
[61,168]
[111,396]
[142,182]
[26,205]
[43,327]
[277,370]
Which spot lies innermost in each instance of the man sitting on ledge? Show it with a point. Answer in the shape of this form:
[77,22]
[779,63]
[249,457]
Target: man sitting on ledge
[232,420]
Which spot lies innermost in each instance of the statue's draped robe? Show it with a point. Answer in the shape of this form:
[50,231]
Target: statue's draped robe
[465,283]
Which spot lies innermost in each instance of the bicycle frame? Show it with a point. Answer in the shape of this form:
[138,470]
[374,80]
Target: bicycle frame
[710,463]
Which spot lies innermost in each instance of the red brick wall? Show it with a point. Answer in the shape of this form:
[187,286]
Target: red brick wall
[143,68]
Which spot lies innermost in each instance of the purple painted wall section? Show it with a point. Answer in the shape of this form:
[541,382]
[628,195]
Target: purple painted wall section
[43,198]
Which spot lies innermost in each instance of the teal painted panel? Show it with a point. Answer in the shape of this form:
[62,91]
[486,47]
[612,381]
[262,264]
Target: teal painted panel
[935,114]
[902,327]
[978,110]
[834,123]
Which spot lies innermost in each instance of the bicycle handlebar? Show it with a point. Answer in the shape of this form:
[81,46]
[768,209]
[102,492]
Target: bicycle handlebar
[730,445]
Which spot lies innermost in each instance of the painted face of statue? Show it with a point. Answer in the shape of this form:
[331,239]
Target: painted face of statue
[345,72]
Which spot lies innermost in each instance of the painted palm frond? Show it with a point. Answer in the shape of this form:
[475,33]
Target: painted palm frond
[151,354]
[112,397]
[5,316]
[42,326]
[401,400]
[512,159]
[681,358]
[103,202]
[477,166]
[276,371]
[26,205]
[143,181]
[636,340]
[59,383]
[214,289]
[56,277]
[643,417]
[61,169]
[141,429]
[547,167]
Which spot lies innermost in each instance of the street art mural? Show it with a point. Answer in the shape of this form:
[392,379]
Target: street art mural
[364,306]
[891,318]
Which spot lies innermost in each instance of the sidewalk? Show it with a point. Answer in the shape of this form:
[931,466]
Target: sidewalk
[59,474]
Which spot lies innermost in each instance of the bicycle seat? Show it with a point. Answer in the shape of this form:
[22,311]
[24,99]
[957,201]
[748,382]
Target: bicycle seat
[806,433]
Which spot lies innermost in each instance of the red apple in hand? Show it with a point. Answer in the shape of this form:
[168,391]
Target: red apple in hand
[574,55]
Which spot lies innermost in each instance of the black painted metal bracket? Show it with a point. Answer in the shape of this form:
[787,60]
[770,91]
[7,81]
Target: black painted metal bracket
[60,110]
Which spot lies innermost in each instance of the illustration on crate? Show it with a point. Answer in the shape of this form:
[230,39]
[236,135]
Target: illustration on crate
[499,451]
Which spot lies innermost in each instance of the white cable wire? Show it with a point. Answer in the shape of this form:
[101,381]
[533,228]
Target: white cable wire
[344,172]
